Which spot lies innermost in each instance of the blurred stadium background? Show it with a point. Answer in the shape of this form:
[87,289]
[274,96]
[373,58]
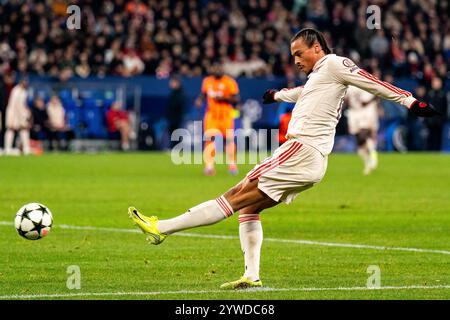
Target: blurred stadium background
[127,51]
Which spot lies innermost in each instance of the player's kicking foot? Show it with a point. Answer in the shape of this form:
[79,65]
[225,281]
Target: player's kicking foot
[242,283]
[148,225]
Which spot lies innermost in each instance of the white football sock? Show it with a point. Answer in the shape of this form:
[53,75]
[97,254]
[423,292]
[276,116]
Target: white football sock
[204,214]
[251,236]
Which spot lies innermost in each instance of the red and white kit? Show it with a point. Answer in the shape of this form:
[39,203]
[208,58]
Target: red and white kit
[301,162]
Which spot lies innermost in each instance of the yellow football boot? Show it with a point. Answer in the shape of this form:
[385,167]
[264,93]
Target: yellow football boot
[242,283]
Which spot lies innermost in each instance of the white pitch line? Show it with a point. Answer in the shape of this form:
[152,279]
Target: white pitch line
[156,293]
[294,241]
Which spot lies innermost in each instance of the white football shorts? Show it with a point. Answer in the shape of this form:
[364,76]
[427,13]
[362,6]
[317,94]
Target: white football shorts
[293,168]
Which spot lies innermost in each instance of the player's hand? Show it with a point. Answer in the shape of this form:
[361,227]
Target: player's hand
[423,109]
[269,96]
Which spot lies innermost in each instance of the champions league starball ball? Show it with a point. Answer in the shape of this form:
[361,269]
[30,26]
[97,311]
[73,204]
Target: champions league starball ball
[33,221]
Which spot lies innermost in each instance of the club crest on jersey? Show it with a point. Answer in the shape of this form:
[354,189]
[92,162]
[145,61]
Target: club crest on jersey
[350,64]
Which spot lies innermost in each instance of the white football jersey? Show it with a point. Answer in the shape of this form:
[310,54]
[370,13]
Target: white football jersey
[318,104]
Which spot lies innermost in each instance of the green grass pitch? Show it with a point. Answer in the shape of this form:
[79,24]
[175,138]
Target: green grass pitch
[404,204]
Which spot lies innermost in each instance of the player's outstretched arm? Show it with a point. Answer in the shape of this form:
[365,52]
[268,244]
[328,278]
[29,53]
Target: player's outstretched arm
[286,95]
[424,109]
[349,74]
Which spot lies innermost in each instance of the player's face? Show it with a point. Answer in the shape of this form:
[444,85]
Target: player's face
[305,58]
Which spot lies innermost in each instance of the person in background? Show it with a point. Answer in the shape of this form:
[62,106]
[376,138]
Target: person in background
[18,119]
[175,105]
[2,107]
[363,124]
[221,93]
[59,132]
[118,121]
[438,98]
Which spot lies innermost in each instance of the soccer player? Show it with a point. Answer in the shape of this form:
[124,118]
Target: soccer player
[363,123]
[295,166]
[221,93]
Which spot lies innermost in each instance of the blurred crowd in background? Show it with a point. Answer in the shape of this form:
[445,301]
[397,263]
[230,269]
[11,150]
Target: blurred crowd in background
[250,37]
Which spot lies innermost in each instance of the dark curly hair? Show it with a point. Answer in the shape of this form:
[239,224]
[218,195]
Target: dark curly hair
[309,36]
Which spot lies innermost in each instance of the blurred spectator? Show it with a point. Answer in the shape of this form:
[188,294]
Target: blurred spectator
[18,119]
[175,104]
[133,65]
[118,122]
[379,45]
[59,132]
[363,123]
[437,97]
[2,107]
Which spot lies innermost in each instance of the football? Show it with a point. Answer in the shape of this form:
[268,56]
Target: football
[33,221]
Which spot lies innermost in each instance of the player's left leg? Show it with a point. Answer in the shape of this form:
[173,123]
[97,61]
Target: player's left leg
[251,238]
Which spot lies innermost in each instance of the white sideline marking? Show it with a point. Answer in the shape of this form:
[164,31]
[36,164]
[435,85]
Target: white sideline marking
[215,236]
[156,293]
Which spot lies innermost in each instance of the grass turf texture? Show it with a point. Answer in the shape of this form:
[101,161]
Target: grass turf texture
[405,203]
